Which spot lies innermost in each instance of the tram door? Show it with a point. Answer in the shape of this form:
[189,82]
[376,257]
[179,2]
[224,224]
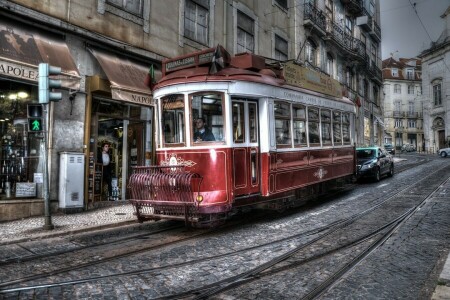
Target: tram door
[245,152]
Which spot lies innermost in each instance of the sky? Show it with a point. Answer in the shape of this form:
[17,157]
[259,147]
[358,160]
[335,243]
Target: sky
[402,29]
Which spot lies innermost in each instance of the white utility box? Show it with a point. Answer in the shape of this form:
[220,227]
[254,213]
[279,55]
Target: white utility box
[71,180]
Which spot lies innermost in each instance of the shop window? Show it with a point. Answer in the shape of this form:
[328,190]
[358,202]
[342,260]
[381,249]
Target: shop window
[245,33]
[207,117]
[20,149]
[313,126]
[173,127]
[283,124]
[196,18]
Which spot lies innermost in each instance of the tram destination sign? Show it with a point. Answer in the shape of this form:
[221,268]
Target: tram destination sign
[188,61]
[299,76]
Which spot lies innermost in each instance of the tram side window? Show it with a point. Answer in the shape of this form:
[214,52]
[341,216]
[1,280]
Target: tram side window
[207,117]
[325,118]
[172,108]
[299,120]
[337,133]
[283,124]
[313,127]
[346,129]
[253,119]
[238,122]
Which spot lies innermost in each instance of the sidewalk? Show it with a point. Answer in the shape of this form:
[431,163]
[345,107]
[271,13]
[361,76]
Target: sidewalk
[32,228]
[117,215]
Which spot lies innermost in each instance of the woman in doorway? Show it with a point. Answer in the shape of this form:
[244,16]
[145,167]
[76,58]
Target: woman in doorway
[104,158]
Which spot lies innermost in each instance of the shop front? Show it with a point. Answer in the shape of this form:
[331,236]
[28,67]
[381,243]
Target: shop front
[21,151]
[120,115]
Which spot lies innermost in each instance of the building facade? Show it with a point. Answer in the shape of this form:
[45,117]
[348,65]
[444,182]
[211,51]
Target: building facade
[436,90]
[106,48]
[403,111]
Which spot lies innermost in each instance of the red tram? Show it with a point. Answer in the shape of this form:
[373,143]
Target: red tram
[269,141]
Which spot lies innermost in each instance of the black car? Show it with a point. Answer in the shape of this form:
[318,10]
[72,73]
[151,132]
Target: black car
[373,162]
[389,148]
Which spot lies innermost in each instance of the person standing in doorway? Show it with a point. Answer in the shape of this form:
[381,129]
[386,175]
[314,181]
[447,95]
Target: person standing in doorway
[104,158]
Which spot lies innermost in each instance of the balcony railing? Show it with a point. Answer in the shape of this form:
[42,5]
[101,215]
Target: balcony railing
[314,16]
[345,41]
[354,6]
[376,31]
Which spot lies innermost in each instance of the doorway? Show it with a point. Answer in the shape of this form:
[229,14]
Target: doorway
[128,131]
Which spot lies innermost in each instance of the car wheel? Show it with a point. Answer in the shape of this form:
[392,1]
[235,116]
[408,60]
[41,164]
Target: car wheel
[391,170]
[443,154]
[377,176]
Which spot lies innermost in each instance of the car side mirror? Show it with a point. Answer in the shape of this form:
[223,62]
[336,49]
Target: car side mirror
[382,155]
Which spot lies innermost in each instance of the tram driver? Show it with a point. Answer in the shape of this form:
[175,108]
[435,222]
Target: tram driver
[202,133]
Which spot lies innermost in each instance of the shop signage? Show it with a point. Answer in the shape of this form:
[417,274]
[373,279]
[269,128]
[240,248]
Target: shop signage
[133,97]
[192,60]
[25,189]
[38,177]
[12,69]
[312,80]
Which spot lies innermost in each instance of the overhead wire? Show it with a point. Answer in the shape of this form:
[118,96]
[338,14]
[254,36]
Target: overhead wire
[413,5]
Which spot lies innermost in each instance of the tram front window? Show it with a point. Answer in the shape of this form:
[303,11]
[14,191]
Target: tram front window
[207,117]
[172,108]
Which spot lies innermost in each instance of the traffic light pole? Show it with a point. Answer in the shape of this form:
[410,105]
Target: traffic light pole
[46,85]
[48,217]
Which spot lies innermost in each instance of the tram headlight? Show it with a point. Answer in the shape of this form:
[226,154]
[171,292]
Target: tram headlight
[199,198]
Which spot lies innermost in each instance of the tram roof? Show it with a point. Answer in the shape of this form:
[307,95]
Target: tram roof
[196,67]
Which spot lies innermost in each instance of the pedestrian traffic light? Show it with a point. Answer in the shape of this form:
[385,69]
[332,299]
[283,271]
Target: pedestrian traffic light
[46,84]
[35,119]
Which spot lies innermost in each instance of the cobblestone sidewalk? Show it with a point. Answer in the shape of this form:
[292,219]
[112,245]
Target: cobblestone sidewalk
[14,231]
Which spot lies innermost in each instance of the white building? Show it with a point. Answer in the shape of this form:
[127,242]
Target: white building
[436,90]
[403,102]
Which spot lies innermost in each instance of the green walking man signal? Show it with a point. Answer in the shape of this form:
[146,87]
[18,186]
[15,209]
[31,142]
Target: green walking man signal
[35,125]
[35,117]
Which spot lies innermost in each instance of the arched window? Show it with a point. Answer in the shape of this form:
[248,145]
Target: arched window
[311,52]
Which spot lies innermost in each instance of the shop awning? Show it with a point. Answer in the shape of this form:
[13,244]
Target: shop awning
[126,78]
[22,49]
[379,121]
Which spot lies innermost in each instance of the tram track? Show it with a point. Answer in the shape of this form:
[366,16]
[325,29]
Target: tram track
[243,278]
[78,244]
[270,268]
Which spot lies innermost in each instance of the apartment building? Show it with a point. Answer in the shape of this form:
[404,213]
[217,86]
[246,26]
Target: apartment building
[402,88]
